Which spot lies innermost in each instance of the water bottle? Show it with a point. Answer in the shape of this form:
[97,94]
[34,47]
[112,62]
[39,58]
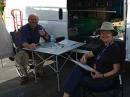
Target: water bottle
[52,39]
[41,40]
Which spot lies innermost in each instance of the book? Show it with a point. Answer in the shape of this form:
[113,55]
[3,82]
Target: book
[84,66]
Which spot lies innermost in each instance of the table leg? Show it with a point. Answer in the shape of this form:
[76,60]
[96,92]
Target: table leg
[34,71]
[57,73]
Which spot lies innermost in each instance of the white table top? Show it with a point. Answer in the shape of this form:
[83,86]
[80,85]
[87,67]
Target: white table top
[58,48]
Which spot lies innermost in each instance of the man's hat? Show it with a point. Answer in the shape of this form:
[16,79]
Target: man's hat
[109,27]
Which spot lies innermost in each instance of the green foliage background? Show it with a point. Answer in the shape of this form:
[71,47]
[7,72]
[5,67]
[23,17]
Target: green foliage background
[1,6]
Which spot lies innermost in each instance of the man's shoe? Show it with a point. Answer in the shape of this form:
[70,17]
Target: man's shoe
[11,58]
[31,66]
[24,80]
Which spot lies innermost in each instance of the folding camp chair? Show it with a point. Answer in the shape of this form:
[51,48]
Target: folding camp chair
[16,43]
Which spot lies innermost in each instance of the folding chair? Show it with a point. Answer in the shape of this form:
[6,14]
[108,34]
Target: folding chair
[16,43]
[117,88]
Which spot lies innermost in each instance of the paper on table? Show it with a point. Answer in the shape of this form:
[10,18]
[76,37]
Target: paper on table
[84,66]
[67,42]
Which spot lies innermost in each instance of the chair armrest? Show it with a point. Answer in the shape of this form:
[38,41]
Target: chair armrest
[120,79]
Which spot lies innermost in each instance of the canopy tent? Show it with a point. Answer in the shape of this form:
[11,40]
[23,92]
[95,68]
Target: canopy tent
[6,48]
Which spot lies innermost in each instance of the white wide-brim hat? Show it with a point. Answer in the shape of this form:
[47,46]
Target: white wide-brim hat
[108,26]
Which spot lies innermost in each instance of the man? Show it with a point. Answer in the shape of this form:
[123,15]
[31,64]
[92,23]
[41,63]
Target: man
[31,32]
[29,38]
[106,65]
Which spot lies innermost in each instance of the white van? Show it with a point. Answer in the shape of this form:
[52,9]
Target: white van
[54,19]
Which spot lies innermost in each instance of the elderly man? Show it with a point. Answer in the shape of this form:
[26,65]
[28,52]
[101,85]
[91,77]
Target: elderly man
[106,65]
[29,38]
[31,33]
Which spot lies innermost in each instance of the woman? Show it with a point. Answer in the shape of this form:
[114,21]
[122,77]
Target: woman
[106,65]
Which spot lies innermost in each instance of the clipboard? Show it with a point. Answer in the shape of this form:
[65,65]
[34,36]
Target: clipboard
[84,66]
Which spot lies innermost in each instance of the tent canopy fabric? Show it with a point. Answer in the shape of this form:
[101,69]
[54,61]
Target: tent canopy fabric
[6,48]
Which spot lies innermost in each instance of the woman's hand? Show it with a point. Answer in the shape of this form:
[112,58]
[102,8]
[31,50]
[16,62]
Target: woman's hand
[96,74]
[87,55]
[83,60]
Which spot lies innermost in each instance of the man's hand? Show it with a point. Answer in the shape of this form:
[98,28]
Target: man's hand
[29,46]
[42,32]
[32,46]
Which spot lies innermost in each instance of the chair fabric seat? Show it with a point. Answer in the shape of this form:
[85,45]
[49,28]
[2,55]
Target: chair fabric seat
[101,85]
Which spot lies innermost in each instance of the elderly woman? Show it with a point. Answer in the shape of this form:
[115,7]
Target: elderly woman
[106,64]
